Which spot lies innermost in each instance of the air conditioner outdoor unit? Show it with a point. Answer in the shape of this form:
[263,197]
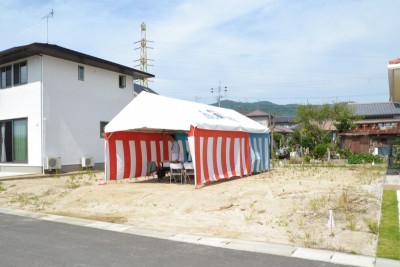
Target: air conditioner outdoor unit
[87,162]
[52,163]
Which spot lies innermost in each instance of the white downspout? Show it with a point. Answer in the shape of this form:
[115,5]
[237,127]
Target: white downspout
[42,113]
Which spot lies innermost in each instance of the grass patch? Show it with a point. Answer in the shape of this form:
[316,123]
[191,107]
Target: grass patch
[25,199]
[389,233]
[2,188]
[373,225]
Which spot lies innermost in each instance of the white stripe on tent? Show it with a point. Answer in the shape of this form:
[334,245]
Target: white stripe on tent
[236,155]
[153,152]
[119,146]
[244,157]
[259,163]
[144,157]
[252,155]
[256,154]
[201,161]
[161,152]
[210,158]
[133,158]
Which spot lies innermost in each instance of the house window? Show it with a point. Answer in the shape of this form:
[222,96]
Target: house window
[5,76]
[122,81]
[14,141]
[81,73]
[102,126]
[20,73]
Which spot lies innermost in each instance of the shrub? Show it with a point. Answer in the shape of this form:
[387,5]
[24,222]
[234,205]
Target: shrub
[361,158]
[344,153]
[320,150]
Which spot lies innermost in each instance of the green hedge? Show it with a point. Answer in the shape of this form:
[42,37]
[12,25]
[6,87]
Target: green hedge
[361,158]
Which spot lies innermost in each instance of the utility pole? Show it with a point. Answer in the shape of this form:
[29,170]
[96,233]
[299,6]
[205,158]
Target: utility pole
[218,91]
[271,126]
[143,54]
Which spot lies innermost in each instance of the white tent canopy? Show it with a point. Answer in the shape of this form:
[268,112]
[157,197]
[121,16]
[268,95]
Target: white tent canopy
[221,143]
[151,112]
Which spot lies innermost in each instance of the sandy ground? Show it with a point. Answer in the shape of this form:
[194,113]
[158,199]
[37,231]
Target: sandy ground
[287,205]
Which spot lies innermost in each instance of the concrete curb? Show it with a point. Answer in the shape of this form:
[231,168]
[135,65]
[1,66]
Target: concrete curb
[236,244]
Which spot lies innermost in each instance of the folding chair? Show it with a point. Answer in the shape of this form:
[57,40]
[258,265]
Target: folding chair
[189,171]
[176,171]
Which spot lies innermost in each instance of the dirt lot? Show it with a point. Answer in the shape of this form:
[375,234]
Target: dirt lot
[287,205]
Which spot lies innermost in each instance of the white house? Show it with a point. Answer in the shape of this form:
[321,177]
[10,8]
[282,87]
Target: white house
[54,104]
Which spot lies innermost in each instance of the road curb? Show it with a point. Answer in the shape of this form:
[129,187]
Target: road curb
[235,244]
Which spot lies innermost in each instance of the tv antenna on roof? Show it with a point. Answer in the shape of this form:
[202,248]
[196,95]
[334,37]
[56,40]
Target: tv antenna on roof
[50,15]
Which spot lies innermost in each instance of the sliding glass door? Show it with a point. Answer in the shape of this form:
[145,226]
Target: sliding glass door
[14,140]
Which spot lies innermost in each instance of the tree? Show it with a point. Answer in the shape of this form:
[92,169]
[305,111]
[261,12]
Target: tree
[344,117]
[316,122]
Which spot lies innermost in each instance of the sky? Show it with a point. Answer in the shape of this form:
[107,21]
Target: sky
[282,51]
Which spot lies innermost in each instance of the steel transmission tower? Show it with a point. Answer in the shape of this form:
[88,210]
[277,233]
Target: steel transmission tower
[143,54]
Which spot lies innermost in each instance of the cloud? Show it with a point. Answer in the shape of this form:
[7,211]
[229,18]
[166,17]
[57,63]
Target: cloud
[278,50]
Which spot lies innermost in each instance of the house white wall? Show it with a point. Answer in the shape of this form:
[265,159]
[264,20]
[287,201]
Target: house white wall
[23,101]
[261,120]
[394,82]
[73,109]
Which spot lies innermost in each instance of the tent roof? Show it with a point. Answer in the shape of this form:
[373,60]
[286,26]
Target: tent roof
[150,112]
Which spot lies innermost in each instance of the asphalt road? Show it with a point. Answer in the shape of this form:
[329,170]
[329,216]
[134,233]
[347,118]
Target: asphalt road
[32,242]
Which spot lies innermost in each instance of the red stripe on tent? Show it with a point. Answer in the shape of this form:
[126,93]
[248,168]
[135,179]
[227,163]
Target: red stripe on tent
[148,152]
[137,138]
[158,153]
[127,159]
[139,159]
[197,156]
[113,159]
[204,160]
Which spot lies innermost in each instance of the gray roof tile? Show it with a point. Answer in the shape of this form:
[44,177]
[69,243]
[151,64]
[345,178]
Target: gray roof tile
[377,109]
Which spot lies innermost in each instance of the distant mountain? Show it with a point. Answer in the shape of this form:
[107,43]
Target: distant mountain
[266,106]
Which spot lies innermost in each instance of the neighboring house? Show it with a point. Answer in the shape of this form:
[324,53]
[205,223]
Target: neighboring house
[280,124]
[54,104]
[277,124]
[261,117]
[376,132]
[288,122]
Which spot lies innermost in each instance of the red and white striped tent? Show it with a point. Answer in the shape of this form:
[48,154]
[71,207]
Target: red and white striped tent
[221,142]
